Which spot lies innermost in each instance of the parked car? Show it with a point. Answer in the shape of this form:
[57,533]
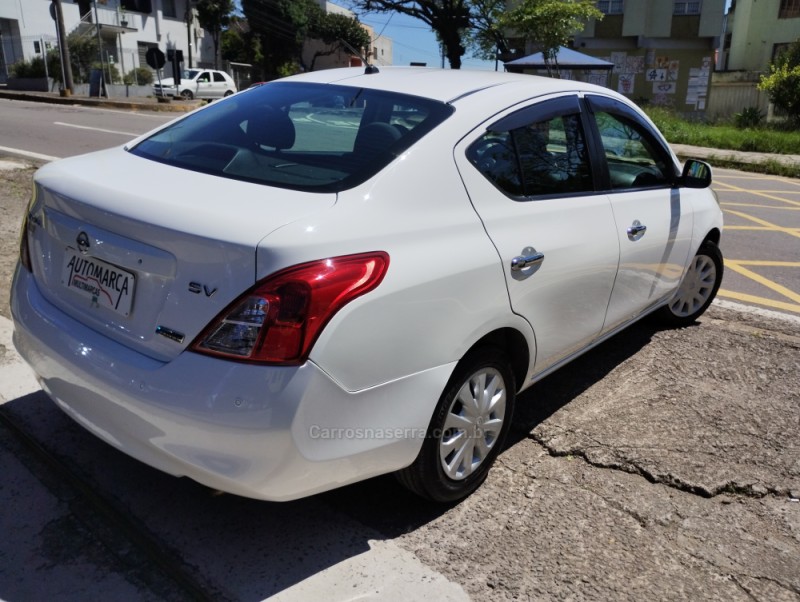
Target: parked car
[197,83]
[339,275]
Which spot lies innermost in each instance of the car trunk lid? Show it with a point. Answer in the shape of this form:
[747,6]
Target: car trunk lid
[146,253]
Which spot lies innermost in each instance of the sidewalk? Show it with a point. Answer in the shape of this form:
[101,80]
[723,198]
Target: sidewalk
[730,158]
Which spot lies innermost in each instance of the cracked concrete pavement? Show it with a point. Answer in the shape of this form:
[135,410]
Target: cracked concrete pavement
[664,465]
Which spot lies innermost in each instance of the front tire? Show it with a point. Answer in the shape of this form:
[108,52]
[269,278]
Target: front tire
[698,288]
[187,95]
[467,431]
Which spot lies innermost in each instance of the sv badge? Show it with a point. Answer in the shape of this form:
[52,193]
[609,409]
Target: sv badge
[197,288]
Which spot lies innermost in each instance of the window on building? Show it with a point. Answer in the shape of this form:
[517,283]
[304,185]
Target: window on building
[168,8]
[137,6]
[789,9]
[686,8]
[611,7]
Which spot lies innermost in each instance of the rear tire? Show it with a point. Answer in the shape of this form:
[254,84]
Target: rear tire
[698,288]
[467,431]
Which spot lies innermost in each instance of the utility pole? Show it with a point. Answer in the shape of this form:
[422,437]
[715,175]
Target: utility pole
[189,17]
[100,48]
[67,88]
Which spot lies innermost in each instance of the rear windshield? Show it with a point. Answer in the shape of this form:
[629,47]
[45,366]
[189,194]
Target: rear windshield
[311,137]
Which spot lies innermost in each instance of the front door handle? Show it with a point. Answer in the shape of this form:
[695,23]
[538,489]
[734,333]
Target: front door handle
[520,262]
[636,230]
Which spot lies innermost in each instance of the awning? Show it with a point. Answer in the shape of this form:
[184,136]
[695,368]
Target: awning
[566,58]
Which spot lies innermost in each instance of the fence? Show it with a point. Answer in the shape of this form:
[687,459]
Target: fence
[732,92]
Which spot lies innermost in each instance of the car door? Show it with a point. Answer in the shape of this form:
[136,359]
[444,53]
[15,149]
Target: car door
[653,221]
[220,84]
[204,85]
[529,178]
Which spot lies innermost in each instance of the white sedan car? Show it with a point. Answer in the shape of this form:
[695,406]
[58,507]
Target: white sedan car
[344,274]
[197,83]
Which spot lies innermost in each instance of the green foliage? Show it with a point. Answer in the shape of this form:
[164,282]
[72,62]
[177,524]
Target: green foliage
[751,117]
[331,29]
[280,26]
[487,37]
[214,16]
[763,140]
[32,68]
[782,85]
[83,53]
[550,23]
[451,20]
[239,44]
[140,76]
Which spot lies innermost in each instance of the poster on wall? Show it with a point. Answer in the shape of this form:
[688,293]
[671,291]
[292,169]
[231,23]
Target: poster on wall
[619,59]
[625,85]
[664,87]
[656,75]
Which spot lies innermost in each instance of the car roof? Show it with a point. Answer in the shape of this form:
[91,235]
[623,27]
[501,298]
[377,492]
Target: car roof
[445,85]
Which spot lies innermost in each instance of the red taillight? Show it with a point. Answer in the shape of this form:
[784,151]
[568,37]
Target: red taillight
[279,319]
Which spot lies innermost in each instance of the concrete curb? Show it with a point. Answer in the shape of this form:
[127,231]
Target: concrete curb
[180,106]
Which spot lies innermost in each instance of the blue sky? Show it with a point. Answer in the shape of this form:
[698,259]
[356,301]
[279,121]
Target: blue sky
[413,41]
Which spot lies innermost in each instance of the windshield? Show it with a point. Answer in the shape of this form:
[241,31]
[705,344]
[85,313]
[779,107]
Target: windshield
[313,137]
[189,73]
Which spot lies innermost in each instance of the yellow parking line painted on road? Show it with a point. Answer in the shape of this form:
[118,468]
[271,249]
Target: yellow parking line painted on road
[773,286]
[766,196]
[759,300]
[763,229]
[726,204]
[766,263]
[762,222]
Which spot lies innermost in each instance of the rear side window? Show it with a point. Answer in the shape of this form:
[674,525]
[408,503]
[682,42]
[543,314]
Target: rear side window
[304,136]
[543,156]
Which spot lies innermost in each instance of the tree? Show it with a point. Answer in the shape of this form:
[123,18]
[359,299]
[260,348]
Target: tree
[239,44]
[281,26]
[332,29]
[550,24]
[451,20]
[213,16]
[782,85]
[487,38]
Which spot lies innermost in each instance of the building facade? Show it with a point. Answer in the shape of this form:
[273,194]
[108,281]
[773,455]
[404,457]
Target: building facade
[126,29]
[663,50]
[379,53]
[757,31]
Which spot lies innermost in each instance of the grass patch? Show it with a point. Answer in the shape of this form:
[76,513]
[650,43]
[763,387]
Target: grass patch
[766,139]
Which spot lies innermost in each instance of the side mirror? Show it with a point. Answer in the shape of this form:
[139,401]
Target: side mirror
[696,174]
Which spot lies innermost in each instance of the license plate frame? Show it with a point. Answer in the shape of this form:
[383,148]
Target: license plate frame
[102,283]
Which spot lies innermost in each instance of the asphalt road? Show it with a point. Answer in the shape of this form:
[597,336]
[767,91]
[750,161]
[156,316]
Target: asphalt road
[662,465]
[64,131]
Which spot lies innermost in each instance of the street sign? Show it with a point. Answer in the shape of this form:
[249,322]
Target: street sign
[155,58]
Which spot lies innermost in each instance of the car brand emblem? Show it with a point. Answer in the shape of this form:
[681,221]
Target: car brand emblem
[83,242]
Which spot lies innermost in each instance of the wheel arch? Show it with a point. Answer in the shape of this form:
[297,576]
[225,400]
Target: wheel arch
[513,343]
[713,236]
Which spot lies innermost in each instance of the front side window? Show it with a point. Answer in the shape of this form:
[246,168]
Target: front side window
[541,158]
[303,136]
[634,158]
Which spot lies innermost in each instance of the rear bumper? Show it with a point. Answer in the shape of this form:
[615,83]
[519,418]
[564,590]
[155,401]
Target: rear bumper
[274,433]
